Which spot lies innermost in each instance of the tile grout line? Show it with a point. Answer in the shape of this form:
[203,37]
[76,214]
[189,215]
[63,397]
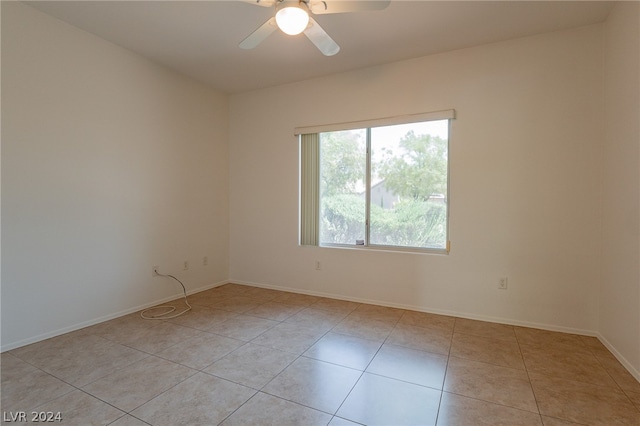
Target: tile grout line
[281,371]
[367,366]
[446,370]
[526,369]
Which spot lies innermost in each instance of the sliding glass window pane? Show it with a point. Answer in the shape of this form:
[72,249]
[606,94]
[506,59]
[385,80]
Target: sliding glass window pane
[409,184]
[342,186]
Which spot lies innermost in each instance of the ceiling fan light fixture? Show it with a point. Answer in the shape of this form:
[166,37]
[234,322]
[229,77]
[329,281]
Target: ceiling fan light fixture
[292,19]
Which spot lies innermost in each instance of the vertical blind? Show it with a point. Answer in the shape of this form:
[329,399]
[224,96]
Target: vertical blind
[309,188]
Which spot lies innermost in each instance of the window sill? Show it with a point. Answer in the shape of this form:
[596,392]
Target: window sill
[388,249]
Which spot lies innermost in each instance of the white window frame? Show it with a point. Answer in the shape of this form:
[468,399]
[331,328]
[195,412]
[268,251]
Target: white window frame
[309,170]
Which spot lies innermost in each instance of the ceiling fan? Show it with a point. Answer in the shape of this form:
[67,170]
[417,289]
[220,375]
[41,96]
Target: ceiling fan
[293,17]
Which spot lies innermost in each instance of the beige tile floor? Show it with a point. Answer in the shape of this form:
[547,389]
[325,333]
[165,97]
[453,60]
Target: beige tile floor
[252,356]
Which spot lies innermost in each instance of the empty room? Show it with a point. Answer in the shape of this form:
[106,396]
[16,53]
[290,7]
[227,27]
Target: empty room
[385,213]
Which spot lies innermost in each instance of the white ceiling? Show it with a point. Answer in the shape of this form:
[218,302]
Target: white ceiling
[200,38]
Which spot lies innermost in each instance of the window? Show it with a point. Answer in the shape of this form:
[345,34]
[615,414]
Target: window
[384,185]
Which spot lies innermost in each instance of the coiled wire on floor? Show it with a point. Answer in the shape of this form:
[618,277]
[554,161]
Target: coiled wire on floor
[171,309]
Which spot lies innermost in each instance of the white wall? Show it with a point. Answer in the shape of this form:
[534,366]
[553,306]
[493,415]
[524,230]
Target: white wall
[525,182]
[620,288]
[110,165]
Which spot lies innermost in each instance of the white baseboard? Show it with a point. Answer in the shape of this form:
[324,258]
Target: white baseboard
[541,326]
[78,326]
[550,327]
[207,287]
[633,371]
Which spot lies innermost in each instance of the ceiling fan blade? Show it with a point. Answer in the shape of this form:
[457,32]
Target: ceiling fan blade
[320,7]
[258,36]
[321,39]
[263,3]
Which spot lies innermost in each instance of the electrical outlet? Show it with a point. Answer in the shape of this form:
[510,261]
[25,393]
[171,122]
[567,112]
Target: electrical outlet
[205,261]
[503,284]
[185,265]
[154,273]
